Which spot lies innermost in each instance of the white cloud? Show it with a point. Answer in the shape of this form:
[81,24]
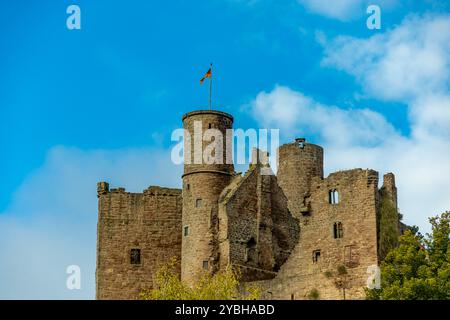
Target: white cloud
[296,114]
[343,9]
[51,222]
[409,61]
[409,64]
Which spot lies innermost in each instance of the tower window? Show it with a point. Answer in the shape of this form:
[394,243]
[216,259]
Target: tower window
[301,142]
[188,186]
[205,265]
[333,196]
[209,126]
[135,256]
[316,256]
[198,203]
[186,231]
[338,231]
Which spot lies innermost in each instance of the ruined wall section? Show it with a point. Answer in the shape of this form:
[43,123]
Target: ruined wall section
[256,230]
[313,264]
[285,227]
[389,188]
[149,222]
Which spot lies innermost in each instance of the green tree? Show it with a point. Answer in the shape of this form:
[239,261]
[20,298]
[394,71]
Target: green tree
[340,279]
[220,286]
[418,269]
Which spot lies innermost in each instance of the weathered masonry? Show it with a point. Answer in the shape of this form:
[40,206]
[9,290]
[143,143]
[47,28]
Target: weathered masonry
[293,233]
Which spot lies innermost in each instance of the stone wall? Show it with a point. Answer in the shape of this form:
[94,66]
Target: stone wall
[295,233]
[203,181]
[148,221]
[256,230]
[299,163]
[356,248]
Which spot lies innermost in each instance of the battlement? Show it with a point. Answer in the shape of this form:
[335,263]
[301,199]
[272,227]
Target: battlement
[369,175]
[103,188]
[162,191]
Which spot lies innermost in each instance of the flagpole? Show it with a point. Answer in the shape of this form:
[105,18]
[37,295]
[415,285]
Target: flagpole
[210,90]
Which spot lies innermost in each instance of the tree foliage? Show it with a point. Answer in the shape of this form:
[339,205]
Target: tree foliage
[419,268]
[314,294]
[340,279]
[220,286]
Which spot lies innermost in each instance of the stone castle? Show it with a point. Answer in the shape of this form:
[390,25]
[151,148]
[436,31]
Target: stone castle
[294,233]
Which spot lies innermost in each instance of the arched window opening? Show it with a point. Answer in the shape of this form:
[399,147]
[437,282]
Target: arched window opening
[333,196]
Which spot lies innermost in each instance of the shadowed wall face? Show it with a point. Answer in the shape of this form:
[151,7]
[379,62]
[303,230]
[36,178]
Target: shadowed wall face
[137,233]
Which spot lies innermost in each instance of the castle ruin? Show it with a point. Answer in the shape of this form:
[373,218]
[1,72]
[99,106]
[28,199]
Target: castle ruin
[289,232]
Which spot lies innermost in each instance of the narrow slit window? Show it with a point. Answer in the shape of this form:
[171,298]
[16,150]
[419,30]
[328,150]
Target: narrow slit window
[186,231]
[135,256]
[198,203]
[205,265]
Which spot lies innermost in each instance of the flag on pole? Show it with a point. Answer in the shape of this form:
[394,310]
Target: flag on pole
[208,74]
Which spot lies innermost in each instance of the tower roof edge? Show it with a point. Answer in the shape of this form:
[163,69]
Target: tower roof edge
[216,112]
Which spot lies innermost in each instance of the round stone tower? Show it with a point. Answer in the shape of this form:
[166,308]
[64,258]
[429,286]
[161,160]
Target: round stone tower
[208,169]
[298,163]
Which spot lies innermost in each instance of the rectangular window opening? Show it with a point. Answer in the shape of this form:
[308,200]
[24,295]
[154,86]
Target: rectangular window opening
[348,254]
[316,256]
[338,231]
[135,256]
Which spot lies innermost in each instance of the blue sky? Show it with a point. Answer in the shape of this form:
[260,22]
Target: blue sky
[100,103]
